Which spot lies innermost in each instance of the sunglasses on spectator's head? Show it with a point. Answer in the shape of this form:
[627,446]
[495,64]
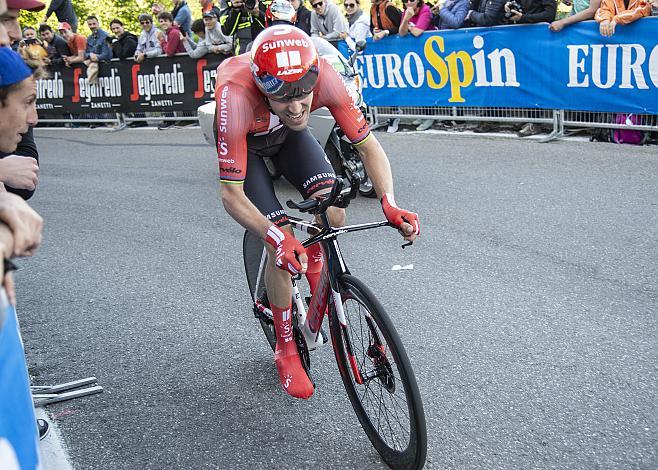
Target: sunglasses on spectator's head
[350,5]
[315,5]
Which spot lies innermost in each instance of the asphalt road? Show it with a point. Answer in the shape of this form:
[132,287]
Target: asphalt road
[530,315]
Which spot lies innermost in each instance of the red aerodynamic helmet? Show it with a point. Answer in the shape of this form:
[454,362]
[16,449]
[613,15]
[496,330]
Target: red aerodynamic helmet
[284,62]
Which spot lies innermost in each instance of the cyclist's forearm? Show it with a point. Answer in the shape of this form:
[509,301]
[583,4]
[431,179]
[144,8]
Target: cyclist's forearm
[377,165]
[241,209]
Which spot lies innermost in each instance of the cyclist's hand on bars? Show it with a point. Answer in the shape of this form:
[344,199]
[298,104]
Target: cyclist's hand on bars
[290,254]
[405,221]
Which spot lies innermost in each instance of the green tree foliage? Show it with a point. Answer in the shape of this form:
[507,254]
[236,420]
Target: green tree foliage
[106,10]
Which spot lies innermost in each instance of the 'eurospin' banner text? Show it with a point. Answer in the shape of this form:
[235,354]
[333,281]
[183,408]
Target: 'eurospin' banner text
[525,66]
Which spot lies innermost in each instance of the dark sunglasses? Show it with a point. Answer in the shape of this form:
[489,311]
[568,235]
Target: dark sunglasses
[144,22]
[315,5]
[349,5]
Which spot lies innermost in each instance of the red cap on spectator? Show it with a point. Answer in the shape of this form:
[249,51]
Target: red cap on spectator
[29,5]
[64,25]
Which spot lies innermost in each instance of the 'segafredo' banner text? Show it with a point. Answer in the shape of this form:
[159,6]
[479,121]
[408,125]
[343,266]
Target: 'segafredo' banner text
[517,66]
[176,83]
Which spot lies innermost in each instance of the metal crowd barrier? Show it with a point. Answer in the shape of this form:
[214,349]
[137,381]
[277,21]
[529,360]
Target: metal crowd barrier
[118,120]
[558,120]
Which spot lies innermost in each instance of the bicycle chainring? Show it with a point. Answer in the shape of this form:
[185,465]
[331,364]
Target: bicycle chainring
[302,348]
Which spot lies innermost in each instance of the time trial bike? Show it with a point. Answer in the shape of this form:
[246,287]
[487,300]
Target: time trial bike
[373,364]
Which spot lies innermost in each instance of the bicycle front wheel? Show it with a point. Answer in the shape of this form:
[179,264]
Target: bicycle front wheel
[378,377]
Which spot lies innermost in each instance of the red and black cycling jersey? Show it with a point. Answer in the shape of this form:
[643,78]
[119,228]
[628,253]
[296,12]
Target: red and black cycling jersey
[243,114]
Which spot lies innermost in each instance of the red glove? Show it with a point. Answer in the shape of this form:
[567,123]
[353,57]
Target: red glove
[288,249]
[397,216]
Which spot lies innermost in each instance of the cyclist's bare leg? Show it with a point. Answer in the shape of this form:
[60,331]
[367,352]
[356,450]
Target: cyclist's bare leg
[277,281]
[292,375]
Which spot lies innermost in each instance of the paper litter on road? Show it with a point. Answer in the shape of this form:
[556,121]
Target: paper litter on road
[397,267]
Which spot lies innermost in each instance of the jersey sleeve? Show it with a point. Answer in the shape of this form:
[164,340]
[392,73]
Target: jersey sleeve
[234,116]
[333,94]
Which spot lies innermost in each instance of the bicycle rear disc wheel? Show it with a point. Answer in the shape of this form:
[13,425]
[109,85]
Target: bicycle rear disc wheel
[378,377]
[252,253]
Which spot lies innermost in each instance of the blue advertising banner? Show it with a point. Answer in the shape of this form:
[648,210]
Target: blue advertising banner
[19,440]
[524,66]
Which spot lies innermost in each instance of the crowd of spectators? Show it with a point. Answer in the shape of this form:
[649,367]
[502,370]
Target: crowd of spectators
[230,26]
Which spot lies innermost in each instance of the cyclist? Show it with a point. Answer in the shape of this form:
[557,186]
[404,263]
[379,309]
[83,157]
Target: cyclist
[264,99]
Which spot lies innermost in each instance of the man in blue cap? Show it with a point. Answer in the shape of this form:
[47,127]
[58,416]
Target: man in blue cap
[18,96]
[18,114]
[19,169]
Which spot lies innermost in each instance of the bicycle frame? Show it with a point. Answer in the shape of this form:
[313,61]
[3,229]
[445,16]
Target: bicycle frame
[310,322]
[334,266]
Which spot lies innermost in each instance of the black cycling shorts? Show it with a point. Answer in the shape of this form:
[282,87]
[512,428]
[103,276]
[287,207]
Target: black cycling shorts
[299,158]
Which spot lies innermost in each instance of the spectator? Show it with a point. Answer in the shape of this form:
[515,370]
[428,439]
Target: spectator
[10,18]
[19,114]
[156,9]
[195,50]
[76,42]
[280,12]
[416,19]
[486,13]
[29,33]
[32,48]
[147,44]
[303,20]
[182,16]
[21,228]
[19,170]
[613,12]
[170,35]
[243,24]
[207,5]
[216,41]
[123,43]
[532,11]
[359,24]
[98,48]
[385,19]
[64,12]
[450,15]
[582,10]
[327,21]
[654,8]
[55,45]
